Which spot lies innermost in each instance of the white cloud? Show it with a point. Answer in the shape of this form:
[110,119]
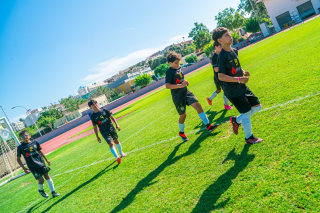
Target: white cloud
[112,66]
[16,118]
[179,38]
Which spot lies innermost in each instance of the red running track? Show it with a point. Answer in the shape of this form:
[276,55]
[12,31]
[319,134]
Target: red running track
[61,140]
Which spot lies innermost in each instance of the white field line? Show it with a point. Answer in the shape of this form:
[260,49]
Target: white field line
[96,162]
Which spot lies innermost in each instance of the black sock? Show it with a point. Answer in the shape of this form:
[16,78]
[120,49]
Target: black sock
[251,137]
[181,132]
[208,125]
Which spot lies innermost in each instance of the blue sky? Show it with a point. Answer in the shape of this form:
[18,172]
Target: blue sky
[50,48]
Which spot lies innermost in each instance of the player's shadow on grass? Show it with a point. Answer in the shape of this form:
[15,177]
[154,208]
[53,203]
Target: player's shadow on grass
[209,198]
[102,172]
[148,180]
[212,118]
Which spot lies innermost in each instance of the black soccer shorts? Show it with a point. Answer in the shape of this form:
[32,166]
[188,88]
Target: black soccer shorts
[245,102]
[217,82]
[39,172]
[182,104]
[110,135]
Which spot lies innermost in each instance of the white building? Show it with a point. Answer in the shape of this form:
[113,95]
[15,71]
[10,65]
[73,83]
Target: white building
[85,91]
[17,126]
[33,116]
[281,11]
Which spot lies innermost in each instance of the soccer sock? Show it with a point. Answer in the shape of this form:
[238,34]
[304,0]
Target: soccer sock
[114,152]
[119,147]
[214,94]
[226,100]
[254,110]
[239,119]
[204,118]
[246,123]
[181,127]
[50,183]
[40,186]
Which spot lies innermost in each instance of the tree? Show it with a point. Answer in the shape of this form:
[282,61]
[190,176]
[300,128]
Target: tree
[21,120]
[191,59]
[161,69]
[260,9]
[252,25]
[230,18]
[44,121]
[200,35]
[70,104]
[235,35]
[52,113]
[208,49]
[142,80]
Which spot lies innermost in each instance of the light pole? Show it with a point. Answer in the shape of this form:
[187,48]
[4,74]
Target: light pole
[30,117]
[6,117]
[189,50]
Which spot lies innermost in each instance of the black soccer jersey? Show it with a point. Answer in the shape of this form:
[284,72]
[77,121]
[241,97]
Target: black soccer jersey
[102,119]
[30,152]
[229,64]
[214,61]
[175,76]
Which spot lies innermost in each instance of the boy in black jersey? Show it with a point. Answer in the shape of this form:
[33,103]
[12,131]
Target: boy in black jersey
[31,151]
[234,80]
[103,118]
[181,96]
[214,61]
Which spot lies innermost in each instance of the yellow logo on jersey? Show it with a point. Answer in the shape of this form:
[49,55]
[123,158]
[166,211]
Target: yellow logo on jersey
[31,149]
[101,116]
[236,61]
[180,74]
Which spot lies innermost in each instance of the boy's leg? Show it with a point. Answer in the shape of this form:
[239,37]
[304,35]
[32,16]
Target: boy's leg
[255,109]
[182,119]
[214,94]
[226,103]
[197,106]
[41,189]
[50,184]
[118,145]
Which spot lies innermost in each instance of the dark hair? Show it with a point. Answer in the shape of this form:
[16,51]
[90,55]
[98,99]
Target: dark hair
[218,33]
[172,56]
[92,102]
[216,44]
[23,132]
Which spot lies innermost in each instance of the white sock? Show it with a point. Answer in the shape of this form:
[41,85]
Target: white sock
[40,186]
[204,118]
[50,183]
[181,127]
[226,100]
[254,110]
[119,147]
[214,94]
[114,152]
[239,119]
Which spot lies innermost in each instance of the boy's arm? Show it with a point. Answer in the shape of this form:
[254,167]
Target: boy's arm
[115,121]
[216,69]
[22,166]
[227,78]
[44,156]
[95,128]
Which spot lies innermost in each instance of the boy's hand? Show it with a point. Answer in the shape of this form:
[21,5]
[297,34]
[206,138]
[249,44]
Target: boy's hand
[48,162]
[118,127]
[244,80]
[98,138]
[185,83]
[245,73]
[27,171]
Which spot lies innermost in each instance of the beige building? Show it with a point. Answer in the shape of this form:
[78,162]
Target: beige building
[102,101]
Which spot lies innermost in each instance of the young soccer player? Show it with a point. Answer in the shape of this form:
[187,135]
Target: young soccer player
[217,46]
[103,118]
[181,96]
[31,151]
[234,80]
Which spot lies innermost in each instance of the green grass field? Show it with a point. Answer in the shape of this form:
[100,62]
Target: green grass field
[210,172]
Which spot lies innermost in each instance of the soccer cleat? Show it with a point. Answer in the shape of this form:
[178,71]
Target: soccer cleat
[55,194]
[235,125]
[227,107]
[253,140]
[210,128]
[122,154]
[209,102]
[43,193]
[118,160]
[183,136]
